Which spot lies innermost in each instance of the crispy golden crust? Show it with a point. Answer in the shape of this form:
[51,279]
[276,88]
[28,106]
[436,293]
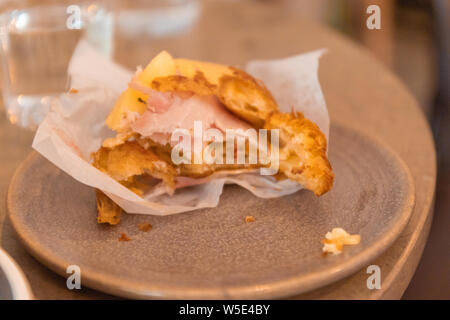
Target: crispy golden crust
[302,151]
[242,94]
[107,210]
[197,84]
[196,170]
[246,97]
[126,163]
[130,159]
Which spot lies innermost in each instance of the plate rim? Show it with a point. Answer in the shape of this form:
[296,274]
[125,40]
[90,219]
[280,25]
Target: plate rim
[277,289]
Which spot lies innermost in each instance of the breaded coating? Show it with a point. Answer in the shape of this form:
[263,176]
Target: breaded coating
[108,211]
[193,170]
[196,170]
[239,92]
[179,83]
[131,159]
[302,151]
[246,97]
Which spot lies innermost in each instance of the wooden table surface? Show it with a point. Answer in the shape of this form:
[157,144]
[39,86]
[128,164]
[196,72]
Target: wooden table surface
[359,92]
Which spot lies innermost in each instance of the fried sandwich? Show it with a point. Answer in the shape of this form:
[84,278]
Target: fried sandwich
[171,94]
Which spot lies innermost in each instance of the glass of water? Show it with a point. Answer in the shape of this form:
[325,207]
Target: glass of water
[37,40]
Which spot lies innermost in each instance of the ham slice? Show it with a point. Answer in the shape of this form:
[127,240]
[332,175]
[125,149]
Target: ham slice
[168,111]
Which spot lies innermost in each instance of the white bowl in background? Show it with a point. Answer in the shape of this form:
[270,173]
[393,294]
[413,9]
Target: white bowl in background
[10,273]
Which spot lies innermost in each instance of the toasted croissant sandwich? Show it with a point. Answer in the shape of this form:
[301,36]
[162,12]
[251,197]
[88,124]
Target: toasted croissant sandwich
[170,94]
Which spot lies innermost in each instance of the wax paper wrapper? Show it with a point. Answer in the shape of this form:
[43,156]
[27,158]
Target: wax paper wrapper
[75,127]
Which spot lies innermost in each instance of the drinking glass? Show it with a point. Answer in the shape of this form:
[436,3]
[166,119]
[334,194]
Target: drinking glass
[37,41]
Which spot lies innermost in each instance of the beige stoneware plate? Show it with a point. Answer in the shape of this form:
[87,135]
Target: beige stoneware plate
[214,253]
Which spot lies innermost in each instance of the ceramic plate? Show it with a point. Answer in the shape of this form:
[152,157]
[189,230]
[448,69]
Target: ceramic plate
[214,253]
[13,283]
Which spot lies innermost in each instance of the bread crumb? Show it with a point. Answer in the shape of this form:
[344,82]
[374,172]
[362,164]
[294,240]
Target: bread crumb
[145,227]
[249,219]
[108,211]
[73,90]
[336,239]
[124,237]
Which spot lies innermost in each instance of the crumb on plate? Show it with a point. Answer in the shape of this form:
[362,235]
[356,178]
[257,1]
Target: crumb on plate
[107,210]
[124,237]
[336,239]
[73,90]
[249,219]
[145,227]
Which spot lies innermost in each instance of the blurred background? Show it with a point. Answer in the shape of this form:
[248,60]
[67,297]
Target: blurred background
[413,42]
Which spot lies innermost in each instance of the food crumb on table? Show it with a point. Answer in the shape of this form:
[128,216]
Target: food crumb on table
[249,219]
[145,227]
[336,239]
[124,237]
[73,90]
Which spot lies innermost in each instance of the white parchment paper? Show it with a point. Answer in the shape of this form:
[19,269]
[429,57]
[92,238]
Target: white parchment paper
[75,127]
